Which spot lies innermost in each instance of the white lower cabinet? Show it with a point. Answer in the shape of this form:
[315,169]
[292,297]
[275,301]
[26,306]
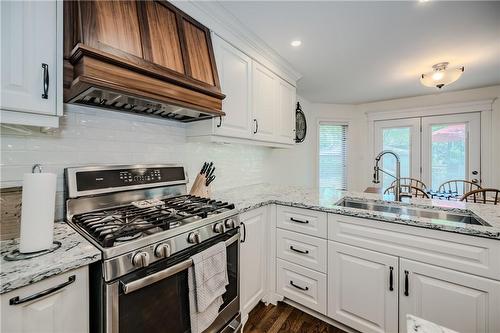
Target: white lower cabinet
[302,285]
[61,311]
[252,259]
[459,301]
[362,288]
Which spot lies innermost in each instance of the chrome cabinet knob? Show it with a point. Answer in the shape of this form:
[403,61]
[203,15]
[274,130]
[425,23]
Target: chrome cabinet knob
[162,250]
[140,259]
[229,223]
[194,238]
[219,228]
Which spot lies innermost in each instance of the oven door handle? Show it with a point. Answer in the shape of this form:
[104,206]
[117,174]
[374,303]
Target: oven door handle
[158,276]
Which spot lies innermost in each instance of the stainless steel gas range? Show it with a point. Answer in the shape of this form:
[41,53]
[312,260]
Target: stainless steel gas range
[147,228]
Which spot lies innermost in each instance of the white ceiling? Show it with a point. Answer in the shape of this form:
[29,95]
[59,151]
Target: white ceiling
[357,52]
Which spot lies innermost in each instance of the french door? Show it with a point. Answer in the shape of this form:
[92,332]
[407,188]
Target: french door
[452,148]
[433,149]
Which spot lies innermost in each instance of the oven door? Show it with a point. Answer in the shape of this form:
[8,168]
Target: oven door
[155,299]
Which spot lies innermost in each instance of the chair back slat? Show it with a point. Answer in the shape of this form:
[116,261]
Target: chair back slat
[408,189]
[485,196]
[408,181]
[459,186]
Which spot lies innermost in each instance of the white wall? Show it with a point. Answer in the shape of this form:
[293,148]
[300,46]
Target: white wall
[298,166]
[94,136]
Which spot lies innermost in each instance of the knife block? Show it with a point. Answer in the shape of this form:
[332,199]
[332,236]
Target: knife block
[199,188]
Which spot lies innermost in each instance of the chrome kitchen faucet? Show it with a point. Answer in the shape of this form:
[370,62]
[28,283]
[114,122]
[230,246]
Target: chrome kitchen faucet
[377,169]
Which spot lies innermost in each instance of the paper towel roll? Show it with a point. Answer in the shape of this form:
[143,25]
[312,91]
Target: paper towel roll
[37,213]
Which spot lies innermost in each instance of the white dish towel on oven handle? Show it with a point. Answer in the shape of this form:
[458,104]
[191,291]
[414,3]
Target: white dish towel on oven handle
[207,281]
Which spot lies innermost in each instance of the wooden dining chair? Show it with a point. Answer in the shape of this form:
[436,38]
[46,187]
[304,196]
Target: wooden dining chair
[482,195]
[459,186]
[408,190]
[408,181]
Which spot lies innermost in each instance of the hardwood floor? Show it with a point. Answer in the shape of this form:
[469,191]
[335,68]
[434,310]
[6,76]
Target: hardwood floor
[284,318]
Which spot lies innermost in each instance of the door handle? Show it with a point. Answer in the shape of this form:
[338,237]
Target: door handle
[45,94]
[220,122]
[299,287]
[298,251]
[16,300]
[299,221]
[406,292]
[244,233]
[391,288]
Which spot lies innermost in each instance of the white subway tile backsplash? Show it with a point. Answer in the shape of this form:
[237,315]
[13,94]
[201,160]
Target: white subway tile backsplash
[95,136]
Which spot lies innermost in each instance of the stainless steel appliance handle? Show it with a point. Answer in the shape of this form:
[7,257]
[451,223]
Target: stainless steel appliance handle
[158,276]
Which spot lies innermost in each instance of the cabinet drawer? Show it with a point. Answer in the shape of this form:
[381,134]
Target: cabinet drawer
[475,255]
[302,220]
[303,250]
[302,285]
[63,310]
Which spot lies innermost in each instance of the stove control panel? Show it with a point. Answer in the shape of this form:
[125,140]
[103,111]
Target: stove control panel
[98,179]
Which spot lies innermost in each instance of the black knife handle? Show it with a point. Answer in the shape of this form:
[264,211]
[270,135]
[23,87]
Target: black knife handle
[45,94]
[391,288]
[407,287]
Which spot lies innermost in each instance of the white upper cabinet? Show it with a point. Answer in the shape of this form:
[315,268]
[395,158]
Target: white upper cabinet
[265,102]
[31,87]
[234,73]
[285,117]
[259,104]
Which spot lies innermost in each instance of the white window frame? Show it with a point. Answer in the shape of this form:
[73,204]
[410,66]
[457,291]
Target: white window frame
[348,142]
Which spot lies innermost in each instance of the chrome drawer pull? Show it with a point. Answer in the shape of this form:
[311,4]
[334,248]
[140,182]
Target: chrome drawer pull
[299,287]
[298,251]
[16,300]
[299,221]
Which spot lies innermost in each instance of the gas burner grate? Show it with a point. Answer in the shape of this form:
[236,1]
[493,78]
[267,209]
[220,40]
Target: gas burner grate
[127,223]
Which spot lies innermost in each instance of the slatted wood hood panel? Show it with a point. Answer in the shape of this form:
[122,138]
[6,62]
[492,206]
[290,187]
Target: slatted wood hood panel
[146,57]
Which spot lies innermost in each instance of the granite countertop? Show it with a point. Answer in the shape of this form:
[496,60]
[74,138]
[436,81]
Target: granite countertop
[325,199]
[418,325]
[74,252]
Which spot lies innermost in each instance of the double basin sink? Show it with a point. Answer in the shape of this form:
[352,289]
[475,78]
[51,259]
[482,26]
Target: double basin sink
[435,215]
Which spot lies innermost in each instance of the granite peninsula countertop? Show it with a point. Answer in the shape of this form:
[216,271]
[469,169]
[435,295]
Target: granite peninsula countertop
[325,199]
[74,252]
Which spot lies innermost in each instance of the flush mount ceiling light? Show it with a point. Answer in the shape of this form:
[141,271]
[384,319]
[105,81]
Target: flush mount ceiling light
[441,75]
[296,43]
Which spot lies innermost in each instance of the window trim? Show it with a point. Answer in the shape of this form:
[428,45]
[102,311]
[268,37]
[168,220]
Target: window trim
[336,121]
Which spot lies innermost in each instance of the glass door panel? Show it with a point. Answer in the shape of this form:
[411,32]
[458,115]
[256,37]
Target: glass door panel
[401,137]
[451,148]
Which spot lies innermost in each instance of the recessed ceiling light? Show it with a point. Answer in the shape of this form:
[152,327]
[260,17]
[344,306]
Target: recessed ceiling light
[296,43]
[423,1]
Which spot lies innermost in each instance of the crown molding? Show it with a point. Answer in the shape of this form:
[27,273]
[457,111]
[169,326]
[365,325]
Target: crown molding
[223,23]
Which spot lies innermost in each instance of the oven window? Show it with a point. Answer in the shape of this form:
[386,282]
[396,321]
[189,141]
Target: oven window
[160,307]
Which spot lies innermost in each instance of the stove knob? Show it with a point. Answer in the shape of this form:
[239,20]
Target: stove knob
[229,223]
[140,259]
[194,238]
[162,250]
[219,228]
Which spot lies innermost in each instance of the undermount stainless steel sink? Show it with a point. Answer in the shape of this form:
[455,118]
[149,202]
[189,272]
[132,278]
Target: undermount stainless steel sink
[436,215]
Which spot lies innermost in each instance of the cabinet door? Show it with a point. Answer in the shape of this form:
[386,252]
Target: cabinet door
[285,117]
[65,310]
[163,45]
[264,92]
[234,73]
[112,26]
[28,40]
[252,259]
[459,301]
[361,292]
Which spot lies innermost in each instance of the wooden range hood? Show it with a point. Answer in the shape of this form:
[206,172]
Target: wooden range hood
[146,57]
